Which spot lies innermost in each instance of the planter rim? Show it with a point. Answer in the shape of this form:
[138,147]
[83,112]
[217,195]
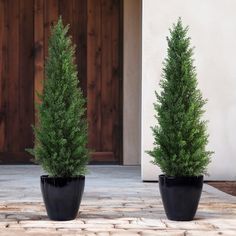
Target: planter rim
[181,177]
[57,177]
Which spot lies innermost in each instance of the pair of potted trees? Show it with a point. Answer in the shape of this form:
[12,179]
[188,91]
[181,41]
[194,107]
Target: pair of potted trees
[180,136]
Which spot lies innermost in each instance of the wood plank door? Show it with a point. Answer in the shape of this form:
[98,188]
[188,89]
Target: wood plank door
[104,79]
[96,29]
[16,79]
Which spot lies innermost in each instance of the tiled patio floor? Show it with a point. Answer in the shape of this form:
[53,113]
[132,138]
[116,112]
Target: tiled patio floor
[115,202]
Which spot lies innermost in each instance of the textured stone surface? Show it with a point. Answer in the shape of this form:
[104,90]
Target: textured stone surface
[115,202]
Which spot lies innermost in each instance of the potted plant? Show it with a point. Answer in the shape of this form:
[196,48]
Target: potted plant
[181,134]
[61,131]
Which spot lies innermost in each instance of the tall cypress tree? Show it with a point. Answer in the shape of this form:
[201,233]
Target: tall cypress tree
[180,135]
[61,133]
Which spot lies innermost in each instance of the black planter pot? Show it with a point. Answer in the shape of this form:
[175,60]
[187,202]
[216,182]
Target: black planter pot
[62,196]
[180,196]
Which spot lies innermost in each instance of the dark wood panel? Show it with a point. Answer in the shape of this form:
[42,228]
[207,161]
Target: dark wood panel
[80,38]
[17,78]
[75,14]
[100,157]
[3,72]
[66,11]
[38,49]
[12,121]
[117,75]
[16,158]
[51,13]
[94,74]
[26,74]
[104,78]
[107,98]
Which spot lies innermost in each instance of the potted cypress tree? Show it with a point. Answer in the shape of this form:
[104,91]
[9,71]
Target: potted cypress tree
[61,132]
[181,134]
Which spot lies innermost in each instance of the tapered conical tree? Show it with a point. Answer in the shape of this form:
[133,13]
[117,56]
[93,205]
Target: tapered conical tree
[181,134]
[61,133]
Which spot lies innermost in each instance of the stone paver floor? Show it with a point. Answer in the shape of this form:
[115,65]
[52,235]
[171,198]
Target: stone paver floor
[115,202]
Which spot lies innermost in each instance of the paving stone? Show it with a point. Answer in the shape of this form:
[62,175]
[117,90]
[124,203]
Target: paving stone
[22,232]
[88,233]
[211,233]
[185,225]
[98,227]
[13,224]
[134,226]
[103,234]
[2,216]
[52,224]
[71,234]
[22,216]
[120,233]
[149,223]
[107,221]
[163,233]
[223,224]
[40,230]
[68,231]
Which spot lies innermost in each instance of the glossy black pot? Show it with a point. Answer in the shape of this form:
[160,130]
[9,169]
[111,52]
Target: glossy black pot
[180,196]
[62,196]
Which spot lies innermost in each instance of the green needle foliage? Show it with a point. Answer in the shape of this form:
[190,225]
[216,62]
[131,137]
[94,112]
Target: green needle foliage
[61,133]
[180,136]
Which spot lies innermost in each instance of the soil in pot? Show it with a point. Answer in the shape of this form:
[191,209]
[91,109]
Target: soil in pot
[62,196]
[180,196]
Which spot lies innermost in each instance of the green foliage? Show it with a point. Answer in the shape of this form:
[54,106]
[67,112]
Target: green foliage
[180,136]
[61,133]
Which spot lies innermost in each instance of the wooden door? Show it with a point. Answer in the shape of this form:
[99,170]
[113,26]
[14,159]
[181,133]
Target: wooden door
[96,29]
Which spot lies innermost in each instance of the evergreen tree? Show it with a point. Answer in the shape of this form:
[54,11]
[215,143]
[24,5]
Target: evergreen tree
[181,135]
[61,133]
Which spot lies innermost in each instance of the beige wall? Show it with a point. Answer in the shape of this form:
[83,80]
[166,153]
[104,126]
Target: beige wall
[213,31]
[132,82]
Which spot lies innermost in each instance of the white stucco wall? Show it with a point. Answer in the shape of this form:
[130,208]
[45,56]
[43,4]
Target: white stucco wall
[132,82]
[213,31]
